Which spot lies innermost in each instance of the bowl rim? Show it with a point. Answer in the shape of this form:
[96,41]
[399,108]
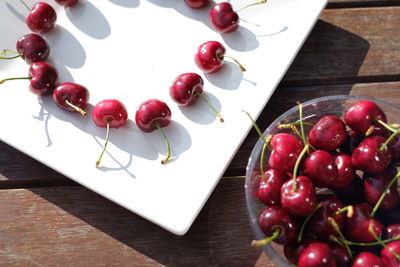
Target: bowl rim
[252,216]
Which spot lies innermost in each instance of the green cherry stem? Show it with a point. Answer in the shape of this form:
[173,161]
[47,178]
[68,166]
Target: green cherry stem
[348,209]
[256,127]
[167,158]
[23,2]
[105,144]
[265,146]
[211,106]
[303,136]
[391,137]
[236,61]
[337,229]
[377,205]
[296,167]
[10,79]
[289,125]
[303,226]
[4,52]
[379,240]
[78,109]
[387,126]
[253,4]
[351,243]
[260,243]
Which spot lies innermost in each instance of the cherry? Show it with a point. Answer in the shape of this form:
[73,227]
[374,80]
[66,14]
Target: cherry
[329,133]
[186,88]
[317,254]
[391,231]
[209,57]
[319,224]
[286,148]
[270,186]
[109,113]
[277,223]
[42,18]
[154,114]
[367,259]
[390,254]
[43,78]
[353,193]
[362,115]
[33,48]
[298,196]
[357,226]
[346,172]
[371,155]
[342,257]
[376,184]
[320,167]
[197,3]
[67,2]
[292,251]
[394,147]
[352,141]
[71,96]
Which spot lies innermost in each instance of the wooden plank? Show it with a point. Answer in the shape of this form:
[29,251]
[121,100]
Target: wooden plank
[349,46]
[361,3]
[72,226]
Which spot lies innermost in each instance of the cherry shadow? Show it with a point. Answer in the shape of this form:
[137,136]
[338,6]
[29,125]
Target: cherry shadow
[126,3]
[228,78]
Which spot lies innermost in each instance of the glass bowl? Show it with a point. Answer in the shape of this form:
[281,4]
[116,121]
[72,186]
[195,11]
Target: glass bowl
[313,110]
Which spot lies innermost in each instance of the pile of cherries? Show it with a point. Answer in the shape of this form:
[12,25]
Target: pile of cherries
[111,113]
[331,189]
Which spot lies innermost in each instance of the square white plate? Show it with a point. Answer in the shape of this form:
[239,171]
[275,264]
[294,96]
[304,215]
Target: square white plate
[131,51]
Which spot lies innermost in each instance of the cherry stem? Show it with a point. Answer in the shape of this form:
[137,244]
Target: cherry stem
[296,167]
[379,241]
[391,137]
[167,158]
[260,243]
[10,79]
[385,192]
[265,146]
[78,109]
[336,227]
[4,52]
[105,145]
[373,243]
[387,126]
[289,125]
[303,226]
[348,209]
[211,106]
[370,130]
[237,62]
[258,129]
[253,4]
[303,136]
[23,2]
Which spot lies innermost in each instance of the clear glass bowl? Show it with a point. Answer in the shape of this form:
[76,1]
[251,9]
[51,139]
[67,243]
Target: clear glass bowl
[313,110]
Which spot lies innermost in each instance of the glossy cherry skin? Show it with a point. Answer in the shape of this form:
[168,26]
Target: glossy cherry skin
[319,224]
[317,254]
[367,259]
[391,231]
[329,133]
[286,148]
[110,111]
[387,256]
[292,251]
[209,56]
[197,3]
[151,113]
[275,218]
[185,89]
[74,93]
[67,2]
[346,172]
[44,78]
[394,147]
[33,48]
[356,227]
[302,201]
[368,157]
[223,18]
[353,193]
[270,187]
[362,115]
[342,257]
[352,141]
[42,18]
[320,167]
[375,185]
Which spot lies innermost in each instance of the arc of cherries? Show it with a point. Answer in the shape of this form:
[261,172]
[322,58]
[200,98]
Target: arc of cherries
[152,114]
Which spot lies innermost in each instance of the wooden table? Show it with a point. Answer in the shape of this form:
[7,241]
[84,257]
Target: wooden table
[48,220]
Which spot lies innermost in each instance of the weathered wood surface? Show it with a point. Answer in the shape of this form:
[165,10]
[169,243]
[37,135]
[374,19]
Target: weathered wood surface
[47,220]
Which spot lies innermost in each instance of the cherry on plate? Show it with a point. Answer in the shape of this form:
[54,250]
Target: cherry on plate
[42,18]
[68,3]
[72,97]
[197,3]
[33,48]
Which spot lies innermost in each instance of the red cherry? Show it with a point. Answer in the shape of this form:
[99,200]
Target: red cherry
[362,115]
[44,78]
[394,147]
[223,18]
[329,133]
[320,167]
[388,256]
[341,255]
[317,254]
[72,97]
[197,3]
[67,2]
[300,200]
[368,155]
[154,114]
[42,18]
[292,251]
[270,186]
[33,48]
[367,259]
[209,57]
[346,172]
[286,148]
[108,114]
[391,231]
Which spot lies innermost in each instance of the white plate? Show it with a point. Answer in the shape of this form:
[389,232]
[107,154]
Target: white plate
[132,50]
